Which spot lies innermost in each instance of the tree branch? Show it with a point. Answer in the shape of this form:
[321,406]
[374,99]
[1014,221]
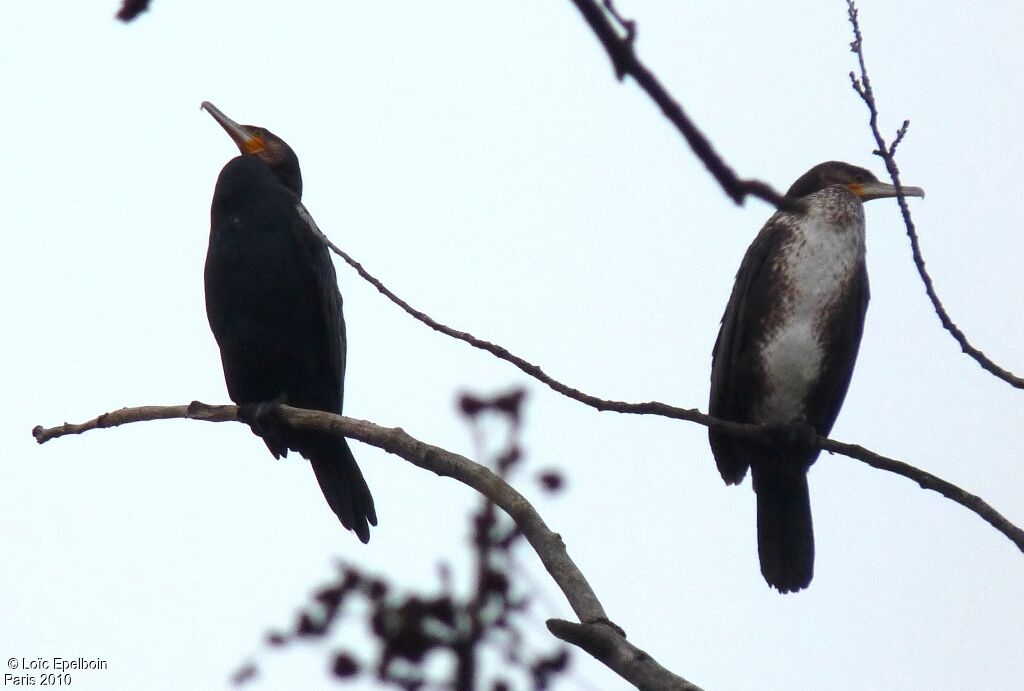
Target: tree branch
[624,59]
[923,478]
[131,9]
[862,85]
[926,480]
[618,655]
[443,462]
[622,657]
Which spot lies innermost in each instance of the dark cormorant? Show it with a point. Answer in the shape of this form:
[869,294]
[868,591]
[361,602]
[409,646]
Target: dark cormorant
[274,307]
[786,350]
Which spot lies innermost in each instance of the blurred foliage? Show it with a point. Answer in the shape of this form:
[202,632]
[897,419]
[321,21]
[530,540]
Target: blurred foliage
[410,630]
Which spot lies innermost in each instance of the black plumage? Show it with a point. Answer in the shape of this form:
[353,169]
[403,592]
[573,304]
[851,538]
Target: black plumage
[274,308]
[786,351]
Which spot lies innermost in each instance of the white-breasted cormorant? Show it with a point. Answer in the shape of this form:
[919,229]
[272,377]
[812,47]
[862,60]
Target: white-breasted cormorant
[786,350]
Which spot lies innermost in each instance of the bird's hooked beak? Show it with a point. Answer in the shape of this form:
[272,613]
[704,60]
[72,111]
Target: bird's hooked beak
[880,190]
[247,141]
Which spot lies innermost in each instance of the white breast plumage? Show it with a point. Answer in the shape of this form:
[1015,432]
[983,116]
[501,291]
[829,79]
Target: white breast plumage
[815,267]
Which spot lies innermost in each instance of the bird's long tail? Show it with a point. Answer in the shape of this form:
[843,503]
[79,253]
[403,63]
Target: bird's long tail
[341,481]
[785,535]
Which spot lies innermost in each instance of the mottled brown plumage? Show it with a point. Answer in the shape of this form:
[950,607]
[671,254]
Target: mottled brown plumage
[786,351]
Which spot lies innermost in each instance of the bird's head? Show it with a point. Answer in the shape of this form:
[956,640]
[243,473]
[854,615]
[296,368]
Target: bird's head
[861,182]
[260,142]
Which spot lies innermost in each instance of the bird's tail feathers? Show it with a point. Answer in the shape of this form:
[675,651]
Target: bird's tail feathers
[342,482]
[785,534]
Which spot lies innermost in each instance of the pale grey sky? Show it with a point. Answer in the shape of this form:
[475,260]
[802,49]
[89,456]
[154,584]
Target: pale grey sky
[481,159]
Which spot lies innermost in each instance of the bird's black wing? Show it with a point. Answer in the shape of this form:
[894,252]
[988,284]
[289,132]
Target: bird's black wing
[736,377]
[335,467]
[325,290]
[846,324]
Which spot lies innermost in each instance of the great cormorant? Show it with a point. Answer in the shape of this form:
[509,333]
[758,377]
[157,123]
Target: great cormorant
[273,304]
[786,350]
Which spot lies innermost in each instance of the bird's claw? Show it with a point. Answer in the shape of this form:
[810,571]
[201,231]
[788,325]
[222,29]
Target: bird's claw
[263,418]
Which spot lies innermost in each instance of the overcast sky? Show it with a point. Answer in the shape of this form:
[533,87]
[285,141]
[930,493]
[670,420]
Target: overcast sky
[481,159]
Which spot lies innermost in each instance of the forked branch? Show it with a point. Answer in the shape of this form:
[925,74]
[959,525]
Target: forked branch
[887,152]
[619,44]
[631,663]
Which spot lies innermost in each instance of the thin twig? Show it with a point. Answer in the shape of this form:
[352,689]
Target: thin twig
[625,61]
[624,658]
[900,134]
[927,480]
[651,408]
[924,479]
[480,478]
[862,85]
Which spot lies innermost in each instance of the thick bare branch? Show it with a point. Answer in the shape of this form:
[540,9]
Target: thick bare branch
[547,544]
[619,46]
[123,416]
[862,85]
[444,462]
[620,656]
